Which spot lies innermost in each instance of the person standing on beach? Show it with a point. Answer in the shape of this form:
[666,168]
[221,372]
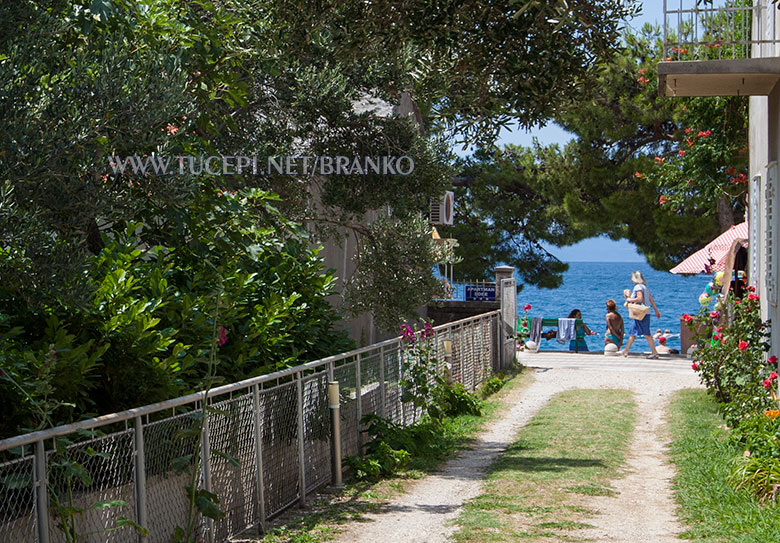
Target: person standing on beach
[641,295]
[615,328]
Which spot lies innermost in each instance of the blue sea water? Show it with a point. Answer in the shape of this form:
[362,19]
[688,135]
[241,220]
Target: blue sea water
[588,285]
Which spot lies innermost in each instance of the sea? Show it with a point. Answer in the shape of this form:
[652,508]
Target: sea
[588,285]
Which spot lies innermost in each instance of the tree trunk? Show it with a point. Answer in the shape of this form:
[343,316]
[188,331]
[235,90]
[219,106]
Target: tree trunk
[725,214]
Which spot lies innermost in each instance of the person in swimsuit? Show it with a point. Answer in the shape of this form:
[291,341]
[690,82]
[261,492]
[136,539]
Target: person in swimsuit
[615,329]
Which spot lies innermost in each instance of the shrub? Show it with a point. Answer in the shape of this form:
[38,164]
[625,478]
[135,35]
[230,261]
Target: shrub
[145,331]
[758,475]
[452,400]
[730,356]
[759,434]
[493,385]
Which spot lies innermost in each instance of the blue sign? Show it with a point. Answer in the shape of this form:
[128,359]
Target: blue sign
[480,293]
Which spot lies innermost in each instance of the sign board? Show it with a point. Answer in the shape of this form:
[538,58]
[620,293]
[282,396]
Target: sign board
[480,293]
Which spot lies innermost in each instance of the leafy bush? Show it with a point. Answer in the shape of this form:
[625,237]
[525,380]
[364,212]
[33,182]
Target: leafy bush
[146,330]
[759,434]
[759,475]
[452,400]
[730,356]
[493,385]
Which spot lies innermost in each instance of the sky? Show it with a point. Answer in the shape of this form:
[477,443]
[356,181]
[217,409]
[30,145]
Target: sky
[600,249]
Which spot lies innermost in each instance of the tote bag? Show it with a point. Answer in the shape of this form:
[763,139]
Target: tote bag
[637,311]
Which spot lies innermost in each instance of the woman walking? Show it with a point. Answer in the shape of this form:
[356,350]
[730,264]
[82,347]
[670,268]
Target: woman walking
[641,295]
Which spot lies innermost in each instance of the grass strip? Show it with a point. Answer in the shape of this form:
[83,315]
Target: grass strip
[320,521]
[709,506]
[539,489]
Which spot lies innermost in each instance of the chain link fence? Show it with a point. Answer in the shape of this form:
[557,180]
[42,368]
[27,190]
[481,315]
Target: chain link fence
[262,446]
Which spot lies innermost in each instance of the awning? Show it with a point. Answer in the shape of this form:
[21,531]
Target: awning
[714,256]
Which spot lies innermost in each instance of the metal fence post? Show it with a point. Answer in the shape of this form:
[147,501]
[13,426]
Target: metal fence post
[334,404]
[382,390]
[140,478]
[259,457]
[400,356]
[359,405]
[205,454]
[301,455]
[41,493]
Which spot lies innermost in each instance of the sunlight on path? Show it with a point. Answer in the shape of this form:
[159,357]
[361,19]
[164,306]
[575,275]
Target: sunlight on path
[426,511]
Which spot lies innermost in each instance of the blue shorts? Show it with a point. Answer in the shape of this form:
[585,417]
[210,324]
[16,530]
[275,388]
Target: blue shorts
[578,345]
[641,328]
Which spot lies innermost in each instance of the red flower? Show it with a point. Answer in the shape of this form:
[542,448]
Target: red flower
[731,170]
[704,134]
[687,318]
[736,302]
[714,314]
[668,59]
[751,288]
[659,160]
[689,141]
[638,175]
[772,359]
[742,345]
[527,307]
[752,297]
[695,366]
[662,200]
[643,70]
[222,336]
[688,130]
[773,375]
[641,79]
[767,383]
[680,153]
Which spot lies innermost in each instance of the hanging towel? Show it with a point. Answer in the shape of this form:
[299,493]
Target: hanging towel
[536,330]
[566,330]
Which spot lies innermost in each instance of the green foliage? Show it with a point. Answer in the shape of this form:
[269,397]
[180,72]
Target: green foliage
[758,475]
[667,174]
[451,400]
[146,330]
[730,356]
[493,385]
[759,435]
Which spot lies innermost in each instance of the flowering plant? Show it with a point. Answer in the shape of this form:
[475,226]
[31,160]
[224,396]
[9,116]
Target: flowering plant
[523,328]
[730,357]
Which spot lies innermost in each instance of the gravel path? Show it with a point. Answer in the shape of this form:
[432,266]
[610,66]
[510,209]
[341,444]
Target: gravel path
[643,508]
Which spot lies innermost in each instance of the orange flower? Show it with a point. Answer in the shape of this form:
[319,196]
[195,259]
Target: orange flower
[659,160]
[642,80]
[772,413]
[680,153]
[662,200]
[638,175]
[643,70]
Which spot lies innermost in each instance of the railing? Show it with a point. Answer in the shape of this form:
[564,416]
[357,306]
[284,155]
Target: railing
[265,445]
[701,30]
[473,291]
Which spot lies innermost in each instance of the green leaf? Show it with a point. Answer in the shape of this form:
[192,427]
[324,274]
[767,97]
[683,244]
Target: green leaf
[232,460]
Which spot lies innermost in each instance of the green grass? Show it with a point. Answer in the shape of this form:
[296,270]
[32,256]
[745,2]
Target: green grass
[710,507]
[320,521]
[538,490]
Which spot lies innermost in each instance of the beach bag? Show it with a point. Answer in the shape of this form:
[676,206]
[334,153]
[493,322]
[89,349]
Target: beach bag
[637,311]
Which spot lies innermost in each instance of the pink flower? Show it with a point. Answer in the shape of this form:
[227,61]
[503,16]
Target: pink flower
[751,288]
[638,175]
[427,330]
[695,366]
[527,307]
[743,345]
[222,336]
[680,153]
[767,383]
[773,375]
[172,130]
[662,200]
[714,315]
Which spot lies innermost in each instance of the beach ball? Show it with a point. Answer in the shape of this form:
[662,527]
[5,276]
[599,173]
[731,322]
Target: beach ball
[705,299]
[719,279]
[610,349]
[531,346]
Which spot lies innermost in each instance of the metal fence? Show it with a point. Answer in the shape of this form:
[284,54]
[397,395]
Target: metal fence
[265,444]
[704,30]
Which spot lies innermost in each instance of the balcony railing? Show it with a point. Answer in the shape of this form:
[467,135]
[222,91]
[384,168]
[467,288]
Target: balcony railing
[711,30]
